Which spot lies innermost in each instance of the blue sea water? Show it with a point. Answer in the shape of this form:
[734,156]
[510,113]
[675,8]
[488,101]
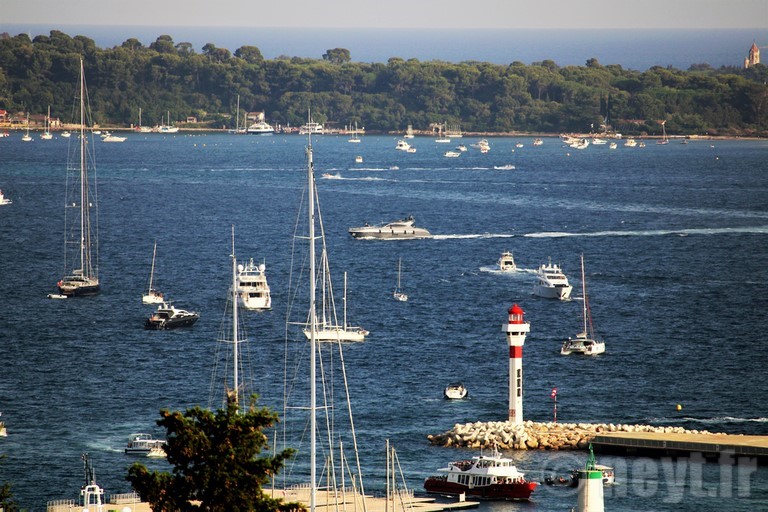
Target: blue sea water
[637,49]
[674,240]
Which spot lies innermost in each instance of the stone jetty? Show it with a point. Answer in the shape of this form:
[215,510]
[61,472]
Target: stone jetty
[531,435]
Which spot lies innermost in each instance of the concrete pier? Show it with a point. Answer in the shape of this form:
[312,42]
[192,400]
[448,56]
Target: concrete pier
[665,444]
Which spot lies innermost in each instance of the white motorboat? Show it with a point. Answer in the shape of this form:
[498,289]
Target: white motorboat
[538,142]
[462,148]
[152,296]
[400,229]
[452,154]
[82,276]
[399,294]
[455,391]
[584,342]
[253,287]
[552,283]
[329,176]
[260,128]
[113,138]
[630,143]
[411,150]
[4,200]
[597,141]
[481,144]
[612,145]
[506,167]
[402,145]
[507,262]
[488,477]
[358,159]
[142,444]
[66,134]
[311,128]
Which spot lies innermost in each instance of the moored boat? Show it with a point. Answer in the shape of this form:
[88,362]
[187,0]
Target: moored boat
[169,317]
[399,229]
[552,283]
[485,477]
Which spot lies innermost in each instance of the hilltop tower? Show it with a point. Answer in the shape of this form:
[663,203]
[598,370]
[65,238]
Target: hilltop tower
[516,329]
[753,57]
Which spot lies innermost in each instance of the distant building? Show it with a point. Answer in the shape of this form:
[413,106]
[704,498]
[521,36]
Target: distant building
[753,57]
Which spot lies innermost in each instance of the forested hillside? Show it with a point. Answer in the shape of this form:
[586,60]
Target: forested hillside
[480,97]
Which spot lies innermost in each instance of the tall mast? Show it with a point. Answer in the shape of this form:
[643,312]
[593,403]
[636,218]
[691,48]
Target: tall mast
[83,173]
[312,322]
[235,333]
[584,297]
[152,271]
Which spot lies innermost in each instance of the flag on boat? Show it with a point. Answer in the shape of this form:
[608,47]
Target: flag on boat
[554,393]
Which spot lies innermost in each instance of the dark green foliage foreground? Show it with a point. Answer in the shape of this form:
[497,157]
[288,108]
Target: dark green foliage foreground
[214,456]
[481,97]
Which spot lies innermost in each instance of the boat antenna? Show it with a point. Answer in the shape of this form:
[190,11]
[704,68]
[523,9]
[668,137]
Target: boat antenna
[90,474]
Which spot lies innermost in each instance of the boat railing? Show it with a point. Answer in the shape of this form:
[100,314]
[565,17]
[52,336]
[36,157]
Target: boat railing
[60,505]
[121,499]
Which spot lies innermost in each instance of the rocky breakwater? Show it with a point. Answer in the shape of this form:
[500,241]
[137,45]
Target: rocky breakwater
[532,435]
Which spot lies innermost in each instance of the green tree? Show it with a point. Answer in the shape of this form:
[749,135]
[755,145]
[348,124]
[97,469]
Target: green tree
[216,467]
[7,503]
[337,56]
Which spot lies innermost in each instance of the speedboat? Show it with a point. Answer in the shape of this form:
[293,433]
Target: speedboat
[452,154]
[4,200]
[113,138]
[142,444]
[169,317]
[630,143]
[402,145]
[455,391]
[551,282]
[399,229]
[358,159]
[484,477]
[538,142]
[507,262]
[506,167]
[253,287]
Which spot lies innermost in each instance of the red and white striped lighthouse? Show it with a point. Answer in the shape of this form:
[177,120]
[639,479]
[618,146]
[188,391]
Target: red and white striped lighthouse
[516,330]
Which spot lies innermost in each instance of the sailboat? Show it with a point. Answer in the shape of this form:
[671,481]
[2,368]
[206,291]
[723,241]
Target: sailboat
[584,342]
[664,139]
[140,128]
[47,135]
[399,294]
[442,138]
[354,138]
[152,296]
[27,137]
[329,328]
[80,234]
[325,362]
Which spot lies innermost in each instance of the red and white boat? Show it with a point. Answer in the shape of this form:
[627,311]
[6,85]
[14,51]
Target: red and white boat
[485,477]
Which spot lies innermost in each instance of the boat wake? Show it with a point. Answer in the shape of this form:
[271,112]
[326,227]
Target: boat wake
[762,230]
[483,235]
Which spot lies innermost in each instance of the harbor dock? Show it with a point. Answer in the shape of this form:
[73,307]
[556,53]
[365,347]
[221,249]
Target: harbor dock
[352,501]
[665,444]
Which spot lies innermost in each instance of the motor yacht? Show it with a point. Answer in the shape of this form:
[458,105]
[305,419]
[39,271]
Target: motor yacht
[399,229]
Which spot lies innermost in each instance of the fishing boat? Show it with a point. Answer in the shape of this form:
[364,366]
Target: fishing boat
[402,145]
[169,317]
[507,262]
[399,229]
[399,294]
[584,342]
[81,228]
[551,282]
[328,327]
[487,477]
[152,296]
[141,444]
[455,391]
[4,200]
[253,287]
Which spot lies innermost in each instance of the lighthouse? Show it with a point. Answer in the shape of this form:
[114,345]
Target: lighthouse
[590,487]
[516,329]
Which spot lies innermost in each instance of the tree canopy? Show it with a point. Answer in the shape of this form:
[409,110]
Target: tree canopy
[215,461]
[479,96]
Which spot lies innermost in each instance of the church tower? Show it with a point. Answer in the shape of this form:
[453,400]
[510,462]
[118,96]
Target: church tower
[753,57]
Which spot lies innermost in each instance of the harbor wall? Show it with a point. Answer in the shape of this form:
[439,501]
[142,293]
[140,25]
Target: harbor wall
[532,435]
